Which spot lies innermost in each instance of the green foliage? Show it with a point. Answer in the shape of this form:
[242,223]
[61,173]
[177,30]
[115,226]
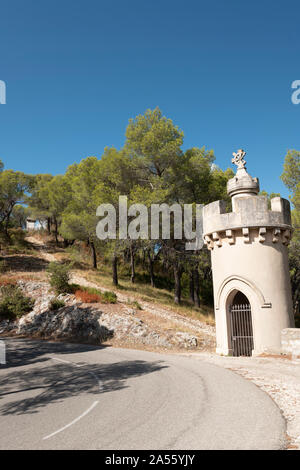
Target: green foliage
[19,216]
[39,199]
[50,197]
[18,242]
[109,297]
[291,170]
[14,186]
[153,141]
[91,290]
[73,288]
[135,303]
[291,178]
[13,302]
[294,261]
[56,304]
[15,241]
[151,168]
[269,196]
[59,276]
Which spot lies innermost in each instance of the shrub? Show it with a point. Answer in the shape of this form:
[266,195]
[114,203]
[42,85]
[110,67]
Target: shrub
[135,304]
[93,295]
[7,281]
[91,290]
[17,242]
[87,297]
[13,302]
[59,277]
[55,304]
[109,297]
[73,288]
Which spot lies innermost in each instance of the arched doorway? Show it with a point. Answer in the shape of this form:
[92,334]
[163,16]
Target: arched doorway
[241,330]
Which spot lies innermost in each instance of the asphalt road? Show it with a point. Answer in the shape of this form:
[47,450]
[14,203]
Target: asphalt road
[68,396]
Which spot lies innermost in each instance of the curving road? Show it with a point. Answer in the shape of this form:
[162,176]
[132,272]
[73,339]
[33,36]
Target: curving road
[69,396]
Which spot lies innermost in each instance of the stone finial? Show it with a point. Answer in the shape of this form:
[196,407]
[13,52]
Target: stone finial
[238,159]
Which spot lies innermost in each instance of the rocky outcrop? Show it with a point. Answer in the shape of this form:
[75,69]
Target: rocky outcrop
[73,322]
[88,323]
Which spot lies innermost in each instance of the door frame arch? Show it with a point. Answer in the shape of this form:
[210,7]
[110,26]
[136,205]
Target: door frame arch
[225,295]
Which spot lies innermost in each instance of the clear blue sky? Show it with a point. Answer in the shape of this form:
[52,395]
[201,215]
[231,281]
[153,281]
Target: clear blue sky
[76,71]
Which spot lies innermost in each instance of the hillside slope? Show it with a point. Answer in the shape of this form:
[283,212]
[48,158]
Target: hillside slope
[134,322]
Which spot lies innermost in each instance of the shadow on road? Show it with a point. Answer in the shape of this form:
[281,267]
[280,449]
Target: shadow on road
[56,382]
[22,352]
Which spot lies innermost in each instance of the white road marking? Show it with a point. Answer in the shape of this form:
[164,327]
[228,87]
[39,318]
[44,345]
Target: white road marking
[62,360]
[100,386]
[72,422]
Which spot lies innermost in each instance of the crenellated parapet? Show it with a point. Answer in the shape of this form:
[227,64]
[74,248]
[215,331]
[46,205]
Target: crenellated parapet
[251,221]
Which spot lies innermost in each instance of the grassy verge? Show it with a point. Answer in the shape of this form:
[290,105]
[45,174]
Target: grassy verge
[144,292]
[138,292]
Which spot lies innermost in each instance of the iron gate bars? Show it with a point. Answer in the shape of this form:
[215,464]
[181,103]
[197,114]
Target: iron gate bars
[241,330]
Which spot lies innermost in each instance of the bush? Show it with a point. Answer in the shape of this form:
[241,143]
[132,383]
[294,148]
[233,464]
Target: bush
[87,297]
[91,290]
[73,288]
[92,295]
[59,277]
[135,304]
[7,281]
[56,304]
[13,302]
[109,297]
[17,242]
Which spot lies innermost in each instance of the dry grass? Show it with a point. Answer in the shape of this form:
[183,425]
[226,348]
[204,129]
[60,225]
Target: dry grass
[12,278]
[144,292]
[138,292]
[87,297]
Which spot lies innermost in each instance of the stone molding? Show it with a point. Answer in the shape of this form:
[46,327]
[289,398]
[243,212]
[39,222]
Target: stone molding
[232,279]
[261,234]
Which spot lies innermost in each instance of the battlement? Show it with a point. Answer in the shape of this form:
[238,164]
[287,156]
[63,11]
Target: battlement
[249,211]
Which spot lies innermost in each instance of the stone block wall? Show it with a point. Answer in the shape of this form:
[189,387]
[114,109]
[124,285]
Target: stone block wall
[290,341]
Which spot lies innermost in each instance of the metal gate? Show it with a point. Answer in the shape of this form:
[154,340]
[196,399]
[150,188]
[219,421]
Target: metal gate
[241,329]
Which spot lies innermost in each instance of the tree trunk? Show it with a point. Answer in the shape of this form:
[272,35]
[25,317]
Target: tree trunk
[56,231]
[49,225]
[115,270]
[68,242]
[6,225]
[6,229]
[177,287]
[132,263]
[151,271]
[196,288]
[94,255]
[192,286]
[144,259]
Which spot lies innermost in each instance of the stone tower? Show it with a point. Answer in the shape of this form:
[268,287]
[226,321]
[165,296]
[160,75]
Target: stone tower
[252,294]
